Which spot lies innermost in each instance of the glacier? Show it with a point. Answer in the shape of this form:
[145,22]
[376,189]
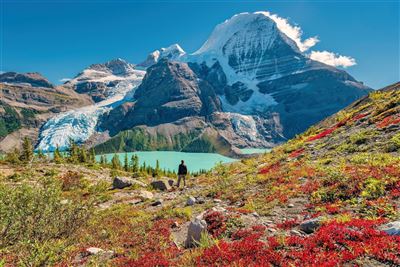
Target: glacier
[80,124]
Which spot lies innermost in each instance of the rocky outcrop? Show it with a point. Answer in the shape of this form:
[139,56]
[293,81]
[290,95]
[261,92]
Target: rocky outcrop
[169,92]
[33,79]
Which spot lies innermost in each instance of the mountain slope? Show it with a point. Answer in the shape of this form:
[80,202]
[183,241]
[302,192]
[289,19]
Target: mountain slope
[27,102]
[329,197]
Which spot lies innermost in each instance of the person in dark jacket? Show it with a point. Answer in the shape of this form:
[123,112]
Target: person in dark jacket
[182,171]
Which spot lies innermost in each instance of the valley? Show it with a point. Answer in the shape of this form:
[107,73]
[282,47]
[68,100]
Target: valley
[248,150]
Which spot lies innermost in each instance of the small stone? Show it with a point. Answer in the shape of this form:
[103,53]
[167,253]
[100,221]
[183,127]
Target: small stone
[255,214]
[123,182]
[272,230]
[94,251]
[143,194]
[392,228]
[190,201]
[65,201]
[217,200]
[162,185]
[134,201]
[291,205]
[200,200]
[175,224]
[309,226]
[158,202]
[219,209]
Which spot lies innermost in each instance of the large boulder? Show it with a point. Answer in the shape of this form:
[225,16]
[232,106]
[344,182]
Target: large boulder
[197,227]
[122,182]
[392,228]
[161,184]
[309,226]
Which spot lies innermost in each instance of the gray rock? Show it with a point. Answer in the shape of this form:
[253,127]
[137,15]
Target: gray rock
[290,205]
[162,185]
[200,200]
[143,194]
[191,201]
[123,182]
[197,227]
[309,226]
[216,200]
[98,252]
[392,228]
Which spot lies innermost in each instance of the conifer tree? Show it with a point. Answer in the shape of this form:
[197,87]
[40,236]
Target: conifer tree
[40,154]
[135,163]
[58,158]
[27,150]
[115,163]
[73,151]
[126,163]
[92,155]
[83,157]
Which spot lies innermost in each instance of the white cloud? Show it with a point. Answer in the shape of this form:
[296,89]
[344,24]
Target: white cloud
[332,59]
[293,32]
[63,80]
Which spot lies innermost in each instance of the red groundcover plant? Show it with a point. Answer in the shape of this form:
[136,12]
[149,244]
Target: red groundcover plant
[296,153]
[389,120]
[155,249]
[333,244]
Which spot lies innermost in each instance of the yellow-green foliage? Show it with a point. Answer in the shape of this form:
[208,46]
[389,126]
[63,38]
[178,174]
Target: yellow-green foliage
[35,218]
[373,188]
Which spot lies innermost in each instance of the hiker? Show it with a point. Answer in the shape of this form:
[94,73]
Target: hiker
[182,171]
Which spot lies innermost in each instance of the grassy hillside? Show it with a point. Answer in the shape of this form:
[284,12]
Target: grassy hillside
[342,174]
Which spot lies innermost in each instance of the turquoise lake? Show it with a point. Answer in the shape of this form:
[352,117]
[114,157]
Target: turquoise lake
[255,150]
[171,159]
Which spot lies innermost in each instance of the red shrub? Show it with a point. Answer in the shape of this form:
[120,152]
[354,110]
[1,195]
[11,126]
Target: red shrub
[389,120]
[216,223]
[322,134]
[333,244]
[288,224]
[154,249]
[296,153]
[359,116]
[272,167]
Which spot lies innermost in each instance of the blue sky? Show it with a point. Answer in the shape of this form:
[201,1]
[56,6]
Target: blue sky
[60,38]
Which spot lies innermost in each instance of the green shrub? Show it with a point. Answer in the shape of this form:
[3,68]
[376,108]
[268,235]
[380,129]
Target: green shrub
[36,215]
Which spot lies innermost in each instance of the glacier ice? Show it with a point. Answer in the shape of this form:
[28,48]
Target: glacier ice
[80,124]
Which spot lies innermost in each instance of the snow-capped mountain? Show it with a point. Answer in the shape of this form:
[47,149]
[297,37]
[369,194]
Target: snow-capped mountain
[116,80]
[248,85]
[173,53]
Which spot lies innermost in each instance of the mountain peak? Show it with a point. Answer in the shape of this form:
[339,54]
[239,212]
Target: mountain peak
[116,66]
[244,26]
[173,53]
